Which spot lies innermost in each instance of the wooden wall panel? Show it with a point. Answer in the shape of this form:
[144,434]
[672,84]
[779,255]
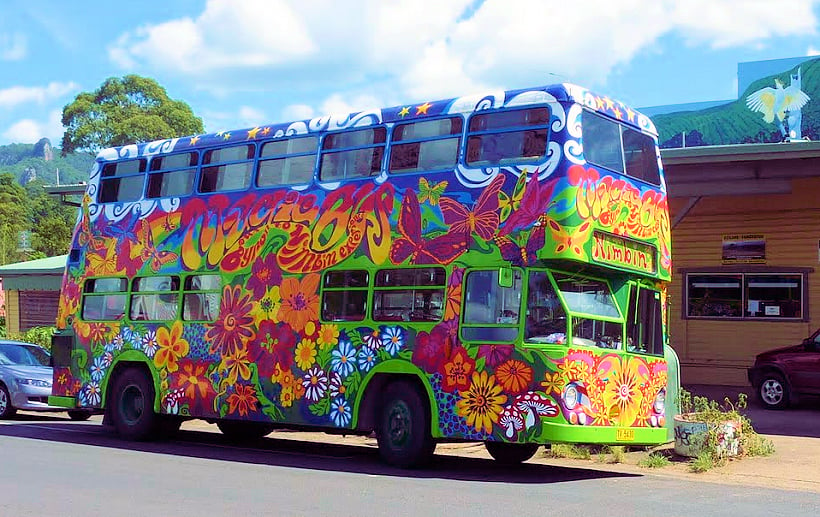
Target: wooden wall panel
[718,352]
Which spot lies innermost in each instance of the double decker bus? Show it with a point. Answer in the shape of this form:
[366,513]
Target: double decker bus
[486,268]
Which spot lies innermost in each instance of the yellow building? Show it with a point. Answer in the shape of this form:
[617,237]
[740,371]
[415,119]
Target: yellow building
[745,248]
[32,292]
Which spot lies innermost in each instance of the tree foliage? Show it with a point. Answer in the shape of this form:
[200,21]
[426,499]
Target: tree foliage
[124,111]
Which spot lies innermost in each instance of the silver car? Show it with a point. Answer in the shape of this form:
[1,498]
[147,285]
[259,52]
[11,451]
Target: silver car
[25,380]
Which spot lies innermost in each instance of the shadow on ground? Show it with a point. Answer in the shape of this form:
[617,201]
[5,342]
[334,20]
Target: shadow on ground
[295,453]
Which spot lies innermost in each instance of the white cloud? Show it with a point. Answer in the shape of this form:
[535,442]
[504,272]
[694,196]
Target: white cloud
[13,47]
[728,23]
[298,112]
[16,95]
[414,50]
[227,34]
[812,51]
[29,131]
[250,117]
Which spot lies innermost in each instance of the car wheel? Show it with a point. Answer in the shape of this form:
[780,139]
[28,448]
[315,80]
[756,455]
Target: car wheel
[79,414]
[6,409]
[773,391]
[403,431]
[511,453]
[240,431]
[133,405]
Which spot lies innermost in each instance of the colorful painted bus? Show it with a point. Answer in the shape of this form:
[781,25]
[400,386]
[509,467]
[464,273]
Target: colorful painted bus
[487,268]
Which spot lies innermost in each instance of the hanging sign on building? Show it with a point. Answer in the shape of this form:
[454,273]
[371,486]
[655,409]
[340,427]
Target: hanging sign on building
[744,248]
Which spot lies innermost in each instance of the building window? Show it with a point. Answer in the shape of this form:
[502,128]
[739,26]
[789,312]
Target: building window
[745,295]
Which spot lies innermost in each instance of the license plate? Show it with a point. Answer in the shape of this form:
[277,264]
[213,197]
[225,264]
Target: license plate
[625,435]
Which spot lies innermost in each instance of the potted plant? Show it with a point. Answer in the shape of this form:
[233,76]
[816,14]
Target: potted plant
[704,425]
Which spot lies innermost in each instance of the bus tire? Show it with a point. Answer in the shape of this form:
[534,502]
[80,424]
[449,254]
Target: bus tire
[242,431]
[511,453]
[403,430]
[78,415]
[133,405]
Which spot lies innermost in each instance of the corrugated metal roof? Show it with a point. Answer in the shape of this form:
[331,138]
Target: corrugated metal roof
[44,266]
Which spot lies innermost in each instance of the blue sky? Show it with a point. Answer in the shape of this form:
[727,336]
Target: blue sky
[242,63]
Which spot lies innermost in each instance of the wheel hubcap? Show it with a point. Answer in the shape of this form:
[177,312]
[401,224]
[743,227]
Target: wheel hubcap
[3,401]
[132,404]
[399,424]
[771,391]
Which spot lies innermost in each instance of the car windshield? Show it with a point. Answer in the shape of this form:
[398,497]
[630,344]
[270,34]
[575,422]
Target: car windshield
[25,355]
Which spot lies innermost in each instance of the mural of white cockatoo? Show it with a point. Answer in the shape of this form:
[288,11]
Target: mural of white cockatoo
[778,102]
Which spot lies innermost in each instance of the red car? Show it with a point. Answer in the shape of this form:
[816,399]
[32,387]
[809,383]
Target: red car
[779,376]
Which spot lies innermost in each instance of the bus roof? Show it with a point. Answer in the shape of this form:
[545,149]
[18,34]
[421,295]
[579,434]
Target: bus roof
[562,93]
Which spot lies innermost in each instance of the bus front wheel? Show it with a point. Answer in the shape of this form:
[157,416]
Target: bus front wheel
[403,431]
[511,453]
[133,405]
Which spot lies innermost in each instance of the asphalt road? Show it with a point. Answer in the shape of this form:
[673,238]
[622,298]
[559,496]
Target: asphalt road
[54,467]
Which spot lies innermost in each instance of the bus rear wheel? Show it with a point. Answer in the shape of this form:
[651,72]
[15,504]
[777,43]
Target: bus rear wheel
[511,453]
[133,405]
[403,430]
[240,431]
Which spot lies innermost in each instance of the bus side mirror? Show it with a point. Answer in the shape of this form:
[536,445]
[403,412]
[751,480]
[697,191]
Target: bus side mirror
[505,277]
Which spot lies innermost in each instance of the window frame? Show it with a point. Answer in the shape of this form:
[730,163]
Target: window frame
[117,179]
[329,289]
[328,148]
[216,170]
[476,135]
[499,332]
[90,292]
[154,296]
[286,157]
[162,172]
[189,291]
[416,313]
[401,143]
[655,181]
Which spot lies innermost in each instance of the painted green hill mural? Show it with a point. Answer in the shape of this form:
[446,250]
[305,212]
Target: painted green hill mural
[735,123]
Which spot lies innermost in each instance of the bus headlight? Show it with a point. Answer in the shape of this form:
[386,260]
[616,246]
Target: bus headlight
[571,396]
[660,402]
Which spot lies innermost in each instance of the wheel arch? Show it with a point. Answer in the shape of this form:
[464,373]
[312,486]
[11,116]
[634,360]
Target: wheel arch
[769,369]
[129,359]
[376,381]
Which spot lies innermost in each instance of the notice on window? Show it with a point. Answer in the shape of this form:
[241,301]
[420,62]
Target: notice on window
[772,310]
[744,248]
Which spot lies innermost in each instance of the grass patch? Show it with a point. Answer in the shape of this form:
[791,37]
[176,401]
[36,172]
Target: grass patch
[654,460]
[702,463]
[568,450]
[611,454]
